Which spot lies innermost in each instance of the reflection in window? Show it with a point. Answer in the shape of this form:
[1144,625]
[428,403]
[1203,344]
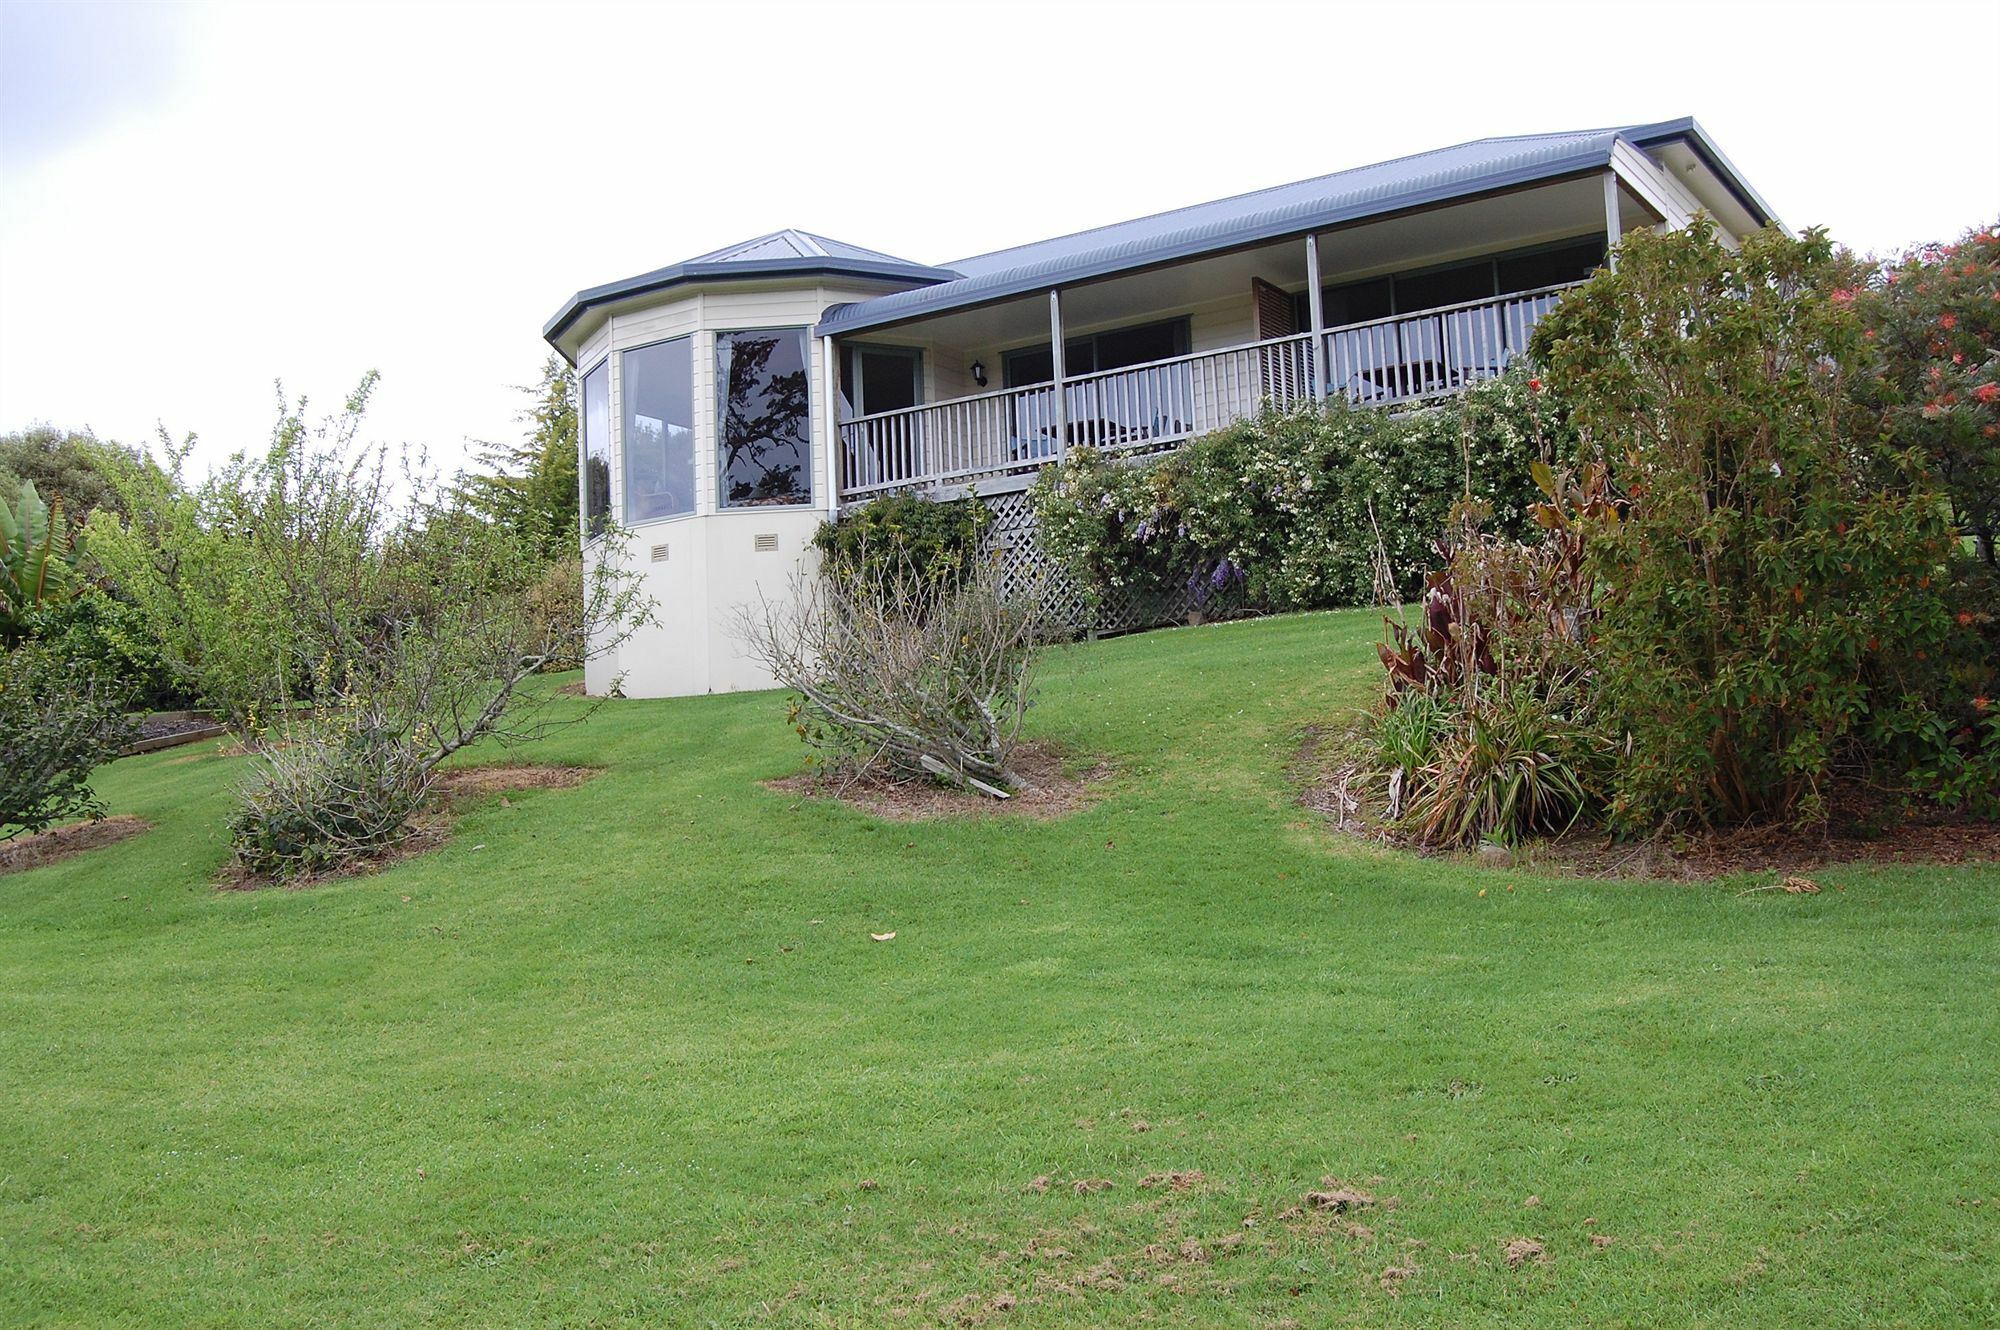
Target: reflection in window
[596,451]
[764,417]
[658,392]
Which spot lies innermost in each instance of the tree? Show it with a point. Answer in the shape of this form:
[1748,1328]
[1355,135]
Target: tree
[248,577]
[75,470]
[531,485]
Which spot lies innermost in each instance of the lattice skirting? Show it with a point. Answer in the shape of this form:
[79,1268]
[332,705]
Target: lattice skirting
[1024,564]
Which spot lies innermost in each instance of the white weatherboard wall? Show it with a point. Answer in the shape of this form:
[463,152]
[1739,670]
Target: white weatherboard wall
[701,568]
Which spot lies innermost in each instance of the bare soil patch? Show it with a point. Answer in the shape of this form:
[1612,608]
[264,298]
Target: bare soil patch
[1055,790]
[1333,783]
[461,782]
[59,843]
[432,827]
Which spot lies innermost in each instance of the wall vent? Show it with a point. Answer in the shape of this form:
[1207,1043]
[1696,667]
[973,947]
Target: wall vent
[767,542]
[659,554]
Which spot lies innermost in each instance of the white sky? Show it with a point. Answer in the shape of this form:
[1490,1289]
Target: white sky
[197,199]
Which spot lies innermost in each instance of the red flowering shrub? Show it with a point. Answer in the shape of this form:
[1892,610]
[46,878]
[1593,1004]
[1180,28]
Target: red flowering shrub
[1932,322]
[1777,614]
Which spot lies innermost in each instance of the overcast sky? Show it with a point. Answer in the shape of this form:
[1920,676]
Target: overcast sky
[198,199]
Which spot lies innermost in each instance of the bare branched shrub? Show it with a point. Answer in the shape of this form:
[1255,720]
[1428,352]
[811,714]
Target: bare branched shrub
[925,675]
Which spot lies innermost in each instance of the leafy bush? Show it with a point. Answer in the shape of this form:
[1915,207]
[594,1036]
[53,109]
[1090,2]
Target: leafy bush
[250,577]
[70,468]
[923,674]
[930,539]
[1295,509]
[1776,614]
[59,720]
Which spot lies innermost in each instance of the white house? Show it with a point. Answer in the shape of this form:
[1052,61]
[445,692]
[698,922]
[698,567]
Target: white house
[734,401]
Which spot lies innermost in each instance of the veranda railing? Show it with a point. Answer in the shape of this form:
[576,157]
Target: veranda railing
[1150,407]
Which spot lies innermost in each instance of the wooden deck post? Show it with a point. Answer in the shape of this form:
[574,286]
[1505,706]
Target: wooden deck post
[1611,224]
[1314,301]
[830,393]
[1056,358]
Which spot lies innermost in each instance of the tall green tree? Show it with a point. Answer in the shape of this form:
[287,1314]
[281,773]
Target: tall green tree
[530,486]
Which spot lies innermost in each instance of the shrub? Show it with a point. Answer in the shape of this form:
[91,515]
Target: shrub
[440,669]
[886,537]
[1775,614]
[330,798]
[1490,728]
[1295,508]
[555,606]
[249,578]
[925,675]
[1932,369]
[59,720]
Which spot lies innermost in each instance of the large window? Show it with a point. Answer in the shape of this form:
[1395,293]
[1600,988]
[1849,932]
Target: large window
[596,451]
[1479,279]
[658,394]
[763,417]
[1106,350]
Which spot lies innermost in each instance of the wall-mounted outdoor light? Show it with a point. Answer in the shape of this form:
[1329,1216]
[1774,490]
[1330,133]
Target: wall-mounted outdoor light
[979,373]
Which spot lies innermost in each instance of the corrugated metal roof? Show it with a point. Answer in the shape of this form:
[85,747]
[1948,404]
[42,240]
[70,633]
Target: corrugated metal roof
[787,253]
[1426,179]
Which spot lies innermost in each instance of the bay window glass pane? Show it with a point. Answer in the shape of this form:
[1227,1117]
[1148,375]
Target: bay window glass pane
[763,417]
[659,430]
[596,451]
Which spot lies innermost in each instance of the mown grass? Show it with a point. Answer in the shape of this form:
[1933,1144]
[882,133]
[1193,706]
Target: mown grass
[627,1055]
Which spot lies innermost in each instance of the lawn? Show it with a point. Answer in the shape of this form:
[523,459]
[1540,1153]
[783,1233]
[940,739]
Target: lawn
[627,1054]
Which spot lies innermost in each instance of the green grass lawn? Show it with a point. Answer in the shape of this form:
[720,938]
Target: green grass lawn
[626,1054]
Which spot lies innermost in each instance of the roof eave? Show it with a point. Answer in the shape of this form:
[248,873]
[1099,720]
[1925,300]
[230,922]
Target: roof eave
[1302,221]
[1689,131]
[692,274]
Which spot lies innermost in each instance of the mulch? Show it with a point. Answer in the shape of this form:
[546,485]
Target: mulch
[59,843]
[1771,849]
[1054,789]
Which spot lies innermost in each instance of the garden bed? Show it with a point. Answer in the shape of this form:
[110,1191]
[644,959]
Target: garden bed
[170,729]
[1054,790]
[1333,782]
[58,843]
[432,827]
